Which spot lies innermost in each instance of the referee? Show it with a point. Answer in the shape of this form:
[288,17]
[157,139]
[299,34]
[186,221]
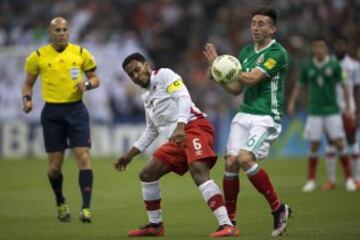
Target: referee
[64,118]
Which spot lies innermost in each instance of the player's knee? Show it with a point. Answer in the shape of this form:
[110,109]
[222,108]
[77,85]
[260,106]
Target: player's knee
[339,144]
[314,146]
[246,159]
[231,164]
[147,176]
[351,139]
[199,172]
[83,160]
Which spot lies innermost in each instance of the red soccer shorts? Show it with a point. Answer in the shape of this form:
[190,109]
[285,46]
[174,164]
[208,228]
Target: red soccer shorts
[197,146]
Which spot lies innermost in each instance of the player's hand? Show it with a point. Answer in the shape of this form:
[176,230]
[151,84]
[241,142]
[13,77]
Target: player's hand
[210,53]
[121,163]
[291,109]
[27,106]
[179,134]
[81,86]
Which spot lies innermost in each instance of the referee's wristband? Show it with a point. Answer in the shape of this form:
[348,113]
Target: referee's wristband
[26,98]
[88,85]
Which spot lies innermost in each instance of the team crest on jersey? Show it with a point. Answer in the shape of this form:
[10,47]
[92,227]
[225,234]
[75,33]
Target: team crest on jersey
[270,63]
[260,59]
[74,73]
[328,71]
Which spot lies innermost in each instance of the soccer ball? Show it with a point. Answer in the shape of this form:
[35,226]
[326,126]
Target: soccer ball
[225,68]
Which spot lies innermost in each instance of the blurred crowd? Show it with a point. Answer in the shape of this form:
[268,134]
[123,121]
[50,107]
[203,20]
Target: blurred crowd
[171,33]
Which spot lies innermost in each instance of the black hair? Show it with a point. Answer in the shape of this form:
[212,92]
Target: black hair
[319,39]
[134,56]
[266,11]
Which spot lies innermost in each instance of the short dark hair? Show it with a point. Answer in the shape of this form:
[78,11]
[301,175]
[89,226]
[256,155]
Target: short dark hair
[266,11]
[319,39]
[134,56]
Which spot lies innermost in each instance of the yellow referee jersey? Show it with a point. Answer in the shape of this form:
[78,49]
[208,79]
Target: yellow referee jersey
[60,71]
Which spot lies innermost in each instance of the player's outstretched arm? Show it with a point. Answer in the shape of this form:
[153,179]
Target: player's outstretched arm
[123,161]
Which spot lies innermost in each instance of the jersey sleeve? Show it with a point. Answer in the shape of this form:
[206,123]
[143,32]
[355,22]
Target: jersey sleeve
[31,64]
[148,136]
[274,61]
[178,91]
[89,60]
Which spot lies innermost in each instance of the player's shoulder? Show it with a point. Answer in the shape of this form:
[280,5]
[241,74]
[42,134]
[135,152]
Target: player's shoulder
[334,61]
[165,76]
[75,48]
[278,47]
[164,72]
[307,63]
[41,51]
[247,48]
[348,60]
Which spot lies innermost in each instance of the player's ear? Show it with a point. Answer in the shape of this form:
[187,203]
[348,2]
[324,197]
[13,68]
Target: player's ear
[147,66]
[273,29]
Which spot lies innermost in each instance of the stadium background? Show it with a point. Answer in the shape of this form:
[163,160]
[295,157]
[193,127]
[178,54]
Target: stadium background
[172,34]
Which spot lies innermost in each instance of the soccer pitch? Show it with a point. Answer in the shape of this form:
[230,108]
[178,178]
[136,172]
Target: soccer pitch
[27,208]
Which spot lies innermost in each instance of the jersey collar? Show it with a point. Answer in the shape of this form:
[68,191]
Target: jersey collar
[323,63]
[267,46]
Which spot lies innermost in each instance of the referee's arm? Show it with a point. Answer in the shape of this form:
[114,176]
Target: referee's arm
[92,81]
[27,91]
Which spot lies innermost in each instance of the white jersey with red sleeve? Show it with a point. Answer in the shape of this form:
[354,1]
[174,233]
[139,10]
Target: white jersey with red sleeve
[351,69]
[167,102]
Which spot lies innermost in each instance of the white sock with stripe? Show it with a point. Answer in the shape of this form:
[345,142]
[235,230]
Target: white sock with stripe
[213,196]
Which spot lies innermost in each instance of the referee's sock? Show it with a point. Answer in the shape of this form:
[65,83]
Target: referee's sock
[85,183]
[56,185]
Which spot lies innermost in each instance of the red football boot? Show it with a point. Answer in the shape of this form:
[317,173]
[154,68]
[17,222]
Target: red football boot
[148,230]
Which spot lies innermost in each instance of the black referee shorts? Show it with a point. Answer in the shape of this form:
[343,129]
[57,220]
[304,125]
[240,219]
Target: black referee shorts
[65,125]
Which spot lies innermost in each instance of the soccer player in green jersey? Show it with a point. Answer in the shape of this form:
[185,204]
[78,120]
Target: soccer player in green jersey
[64,118]
[257,124]
[321,75]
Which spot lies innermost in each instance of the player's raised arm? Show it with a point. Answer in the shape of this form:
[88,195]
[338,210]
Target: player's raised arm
[210,53]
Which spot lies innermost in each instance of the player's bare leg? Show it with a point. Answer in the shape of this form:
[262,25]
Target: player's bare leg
[149,177]
[56,179]
[211,193]
[82,156]
[231,185]
[261,181]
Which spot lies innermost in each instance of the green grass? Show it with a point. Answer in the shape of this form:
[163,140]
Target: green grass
[27,208]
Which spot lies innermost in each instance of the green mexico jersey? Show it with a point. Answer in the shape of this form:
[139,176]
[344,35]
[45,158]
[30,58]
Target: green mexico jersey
[267,96]
[321,80]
